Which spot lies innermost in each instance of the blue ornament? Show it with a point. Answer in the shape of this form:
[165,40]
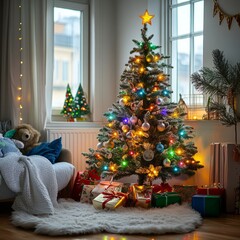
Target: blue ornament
[160,147]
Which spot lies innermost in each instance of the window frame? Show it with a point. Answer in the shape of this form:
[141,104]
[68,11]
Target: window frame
[53,115]
[167,40]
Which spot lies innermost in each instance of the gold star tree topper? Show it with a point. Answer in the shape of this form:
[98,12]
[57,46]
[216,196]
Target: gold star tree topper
[146,18]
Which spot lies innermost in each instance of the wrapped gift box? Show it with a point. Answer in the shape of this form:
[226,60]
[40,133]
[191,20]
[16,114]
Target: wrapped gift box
[126,187]
[141,195]
[186,192]
[165,199]
[87,196]
[104,186]
[160,188]
[87,177]
[211,191]
[214,191]
[207,205]
[109,200]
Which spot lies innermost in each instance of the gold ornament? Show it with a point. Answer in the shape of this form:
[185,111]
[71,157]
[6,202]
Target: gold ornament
[113,167]
[125,128]
[153,172]
[149,58]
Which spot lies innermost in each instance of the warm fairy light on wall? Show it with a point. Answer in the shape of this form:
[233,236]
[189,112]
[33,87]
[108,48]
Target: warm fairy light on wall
[19,97]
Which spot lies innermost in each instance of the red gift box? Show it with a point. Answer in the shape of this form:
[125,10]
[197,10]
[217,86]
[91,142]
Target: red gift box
[161,188]
[84,178]
[211,191]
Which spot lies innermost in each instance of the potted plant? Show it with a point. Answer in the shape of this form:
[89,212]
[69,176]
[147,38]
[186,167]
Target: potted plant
[222,82]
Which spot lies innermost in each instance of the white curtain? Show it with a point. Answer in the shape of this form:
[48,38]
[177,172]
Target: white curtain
[10,60]
[34,62]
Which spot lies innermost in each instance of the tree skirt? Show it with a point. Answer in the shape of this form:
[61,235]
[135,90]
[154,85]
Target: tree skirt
[78,218]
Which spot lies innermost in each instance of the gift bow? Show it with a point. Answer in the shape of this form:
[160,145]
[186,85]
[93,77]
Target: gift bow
[163,187]
[109,184]
[111,195]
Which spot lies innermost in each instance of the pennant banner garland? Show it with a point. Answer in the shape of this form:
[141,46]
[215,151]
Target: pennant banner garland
[222,15]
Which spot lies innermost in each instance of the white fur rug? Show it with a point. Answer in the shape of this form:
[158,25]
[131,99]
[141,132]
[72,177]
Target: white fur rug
[77,218]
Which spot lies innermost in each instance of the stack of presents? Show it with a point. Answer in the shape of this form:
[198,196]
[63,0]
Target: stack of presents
[89,188]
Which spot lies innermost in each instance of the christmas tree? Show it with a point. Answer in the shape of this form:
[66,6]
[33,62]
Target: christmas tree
[80,104]
[67,110]
[145,134]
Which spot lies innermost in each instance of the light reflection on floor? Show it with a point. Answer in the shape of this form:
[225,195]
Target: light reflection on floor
[113,238]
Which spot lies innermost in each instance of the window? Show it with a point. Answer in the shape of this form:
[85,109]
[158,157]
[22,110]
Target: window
[65,70]
[69,36]
[186,50]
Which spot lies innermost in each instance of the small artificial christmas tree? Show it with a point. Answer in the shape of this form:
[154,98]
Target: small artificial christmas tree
[145,134]
[67,110]
[80,106]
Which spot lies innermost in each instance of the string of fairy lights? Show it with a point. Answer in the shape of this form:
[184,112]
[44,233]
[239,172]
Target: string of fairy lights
[20,38]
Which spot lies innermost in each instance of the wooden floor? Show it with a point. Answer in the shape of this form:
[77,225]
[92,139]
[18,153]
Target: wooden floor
[226,227]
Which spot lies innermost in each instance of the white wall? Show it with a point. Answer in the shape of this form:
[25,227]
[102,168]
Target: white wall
[218,36]
[126,25]
[103,59]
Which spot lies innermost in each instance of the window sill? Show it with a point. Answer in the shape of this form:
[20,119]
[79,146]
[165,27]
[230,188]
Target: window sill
[73,125]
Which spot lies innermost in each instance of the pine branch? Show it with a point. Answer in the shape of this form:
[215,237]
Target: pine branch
[227,118]
[208,81]
[221,65]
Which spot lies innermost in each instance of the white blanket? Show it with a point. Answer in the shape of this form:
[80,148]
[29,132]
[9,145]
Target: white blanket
[33,179]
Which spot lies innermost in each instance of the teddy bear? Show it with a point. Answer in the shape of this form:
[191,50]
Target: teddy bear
[8,145]
[28,135]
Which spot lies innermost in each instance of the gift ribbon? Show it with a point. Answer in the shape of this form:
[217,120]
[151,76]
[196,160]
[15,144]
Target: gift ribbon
[166,195]
[111,195]
[109,184]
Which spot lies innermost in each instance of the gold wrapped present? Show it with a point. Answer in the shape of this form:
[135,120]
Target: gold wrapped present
[104,186]
[142,195]
[109,200]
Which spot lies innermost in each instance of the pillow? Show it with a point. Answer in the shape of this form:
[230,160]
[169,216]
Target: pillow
[6,146]
[51,150]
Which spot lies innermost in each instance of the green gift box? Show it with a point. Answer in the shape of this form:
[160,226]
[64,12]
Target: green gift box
[207,205]
[164,199]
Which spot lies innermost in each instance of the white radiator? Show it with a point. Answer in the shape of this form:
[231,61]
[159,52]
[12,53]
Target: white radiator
[77,141]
